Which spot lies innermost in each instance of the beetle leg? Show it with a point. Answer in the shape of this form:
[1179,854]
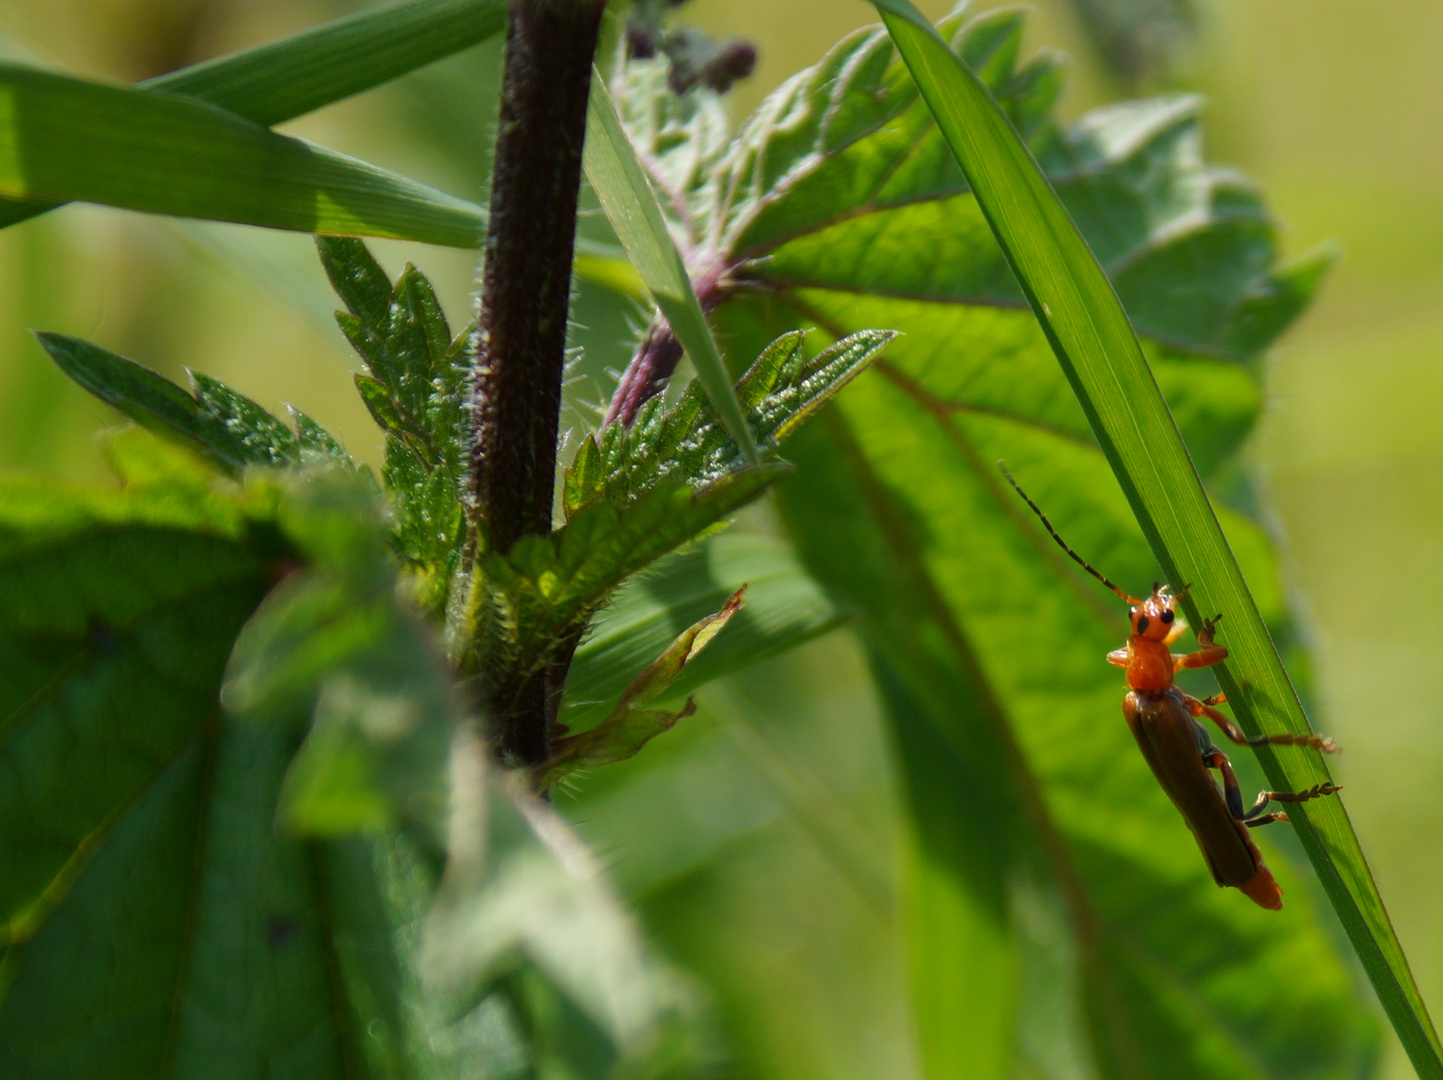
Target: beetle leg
[1204,708]
[1118,657]
[1209,628]
[1253,817]
[1314,792]
[1214,758]
[1207,655]
[1179,628]
[1320,743]
[1266,819]
[1204,657]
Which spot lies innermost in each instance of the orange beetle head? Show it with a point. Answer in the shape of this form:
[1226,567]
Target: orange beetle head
[1153,618]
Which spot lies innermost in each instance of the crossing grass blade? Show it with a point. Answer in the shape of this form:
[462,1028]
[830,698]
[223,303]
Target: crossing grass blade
[64,139]
[288,78]
[631,207]
[1088,330]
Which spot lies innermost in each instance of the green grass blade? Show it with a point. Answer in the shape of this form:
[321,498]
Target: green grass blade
[287,78]
[290,77]
[1094,342]
[64,139]
[631,207]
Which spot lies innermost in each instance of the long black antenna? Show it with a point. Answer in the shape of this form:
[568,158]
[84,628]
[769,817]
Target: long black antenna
[1074,556]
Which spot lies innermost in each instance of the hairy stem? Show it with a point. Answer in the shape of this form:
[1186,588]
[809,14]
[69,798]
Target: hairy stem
[525,291]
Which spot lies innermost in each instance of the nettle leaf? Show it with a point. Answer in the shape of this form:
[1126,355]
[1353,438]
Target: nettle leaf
[542,593]
[630,726]
[841,207]
[231,428]
[416,389]
[117,613]
[257,875]
[392,754]
[687,442]
[683,138]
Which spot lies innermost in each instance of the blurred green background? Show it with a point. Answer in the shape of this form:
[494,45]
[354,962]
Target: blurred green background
[757,839]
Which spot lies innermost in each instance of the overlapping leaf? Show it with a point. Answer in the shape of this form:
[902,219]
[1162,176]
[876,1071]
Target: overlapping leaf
[620,182]
[118,612]
[842,207]
[1096,348]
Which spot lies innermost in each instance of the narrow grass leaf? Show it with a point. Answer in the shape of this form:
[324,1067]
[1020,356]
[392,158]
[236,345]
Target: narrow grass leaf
[631,207]
[1084,322]
[65,139]
[285,79]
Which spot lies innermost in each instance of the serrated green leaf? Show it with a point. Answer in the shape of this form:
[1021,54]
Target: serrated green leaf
[65,139]
[378,402]
[144,395]
[284,79]
[334,643]
[685,442]
[544,591]
[841,199]
[419,372]
[357,277]
[257,435]
[416,390]
[520,887]
[316,444]
[631,207]
[1093,341]
[156,919]
[629,727]
[230,427]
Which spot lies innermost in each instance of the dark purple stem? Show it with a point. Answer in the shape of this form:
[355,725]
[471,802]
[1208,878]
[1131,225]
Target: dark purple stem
[525,294]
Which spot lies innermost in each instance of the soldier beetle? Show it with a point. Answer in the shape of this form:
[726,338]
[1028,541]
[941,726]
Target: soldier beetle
[1164,721]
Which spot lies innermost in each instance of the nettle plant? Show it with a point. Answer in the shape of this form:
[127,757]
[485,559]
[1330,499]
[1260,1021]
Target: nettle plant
[276,730]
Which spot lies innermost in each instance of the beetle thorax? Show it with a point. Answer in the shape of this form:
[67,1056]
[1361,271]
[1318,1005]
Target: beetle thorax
[1149,664]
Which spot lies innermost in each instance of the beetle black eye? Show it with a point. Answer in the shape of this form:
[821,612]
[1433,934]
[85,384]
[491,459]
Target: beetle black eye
[1167,616]
[1142,625]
